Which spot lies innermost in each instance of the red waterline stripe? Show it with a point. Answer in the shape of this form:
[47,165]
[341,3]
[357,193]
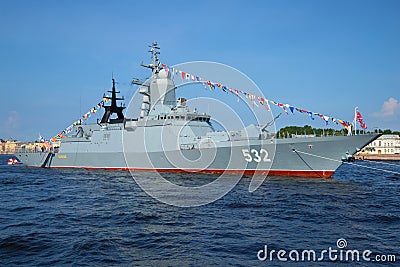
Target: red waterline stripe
[290,173]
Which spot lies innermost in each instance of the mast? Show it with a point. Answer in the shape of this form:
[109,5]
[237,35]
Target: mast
[355,120]
[155,63]
[113,108]
[159,92]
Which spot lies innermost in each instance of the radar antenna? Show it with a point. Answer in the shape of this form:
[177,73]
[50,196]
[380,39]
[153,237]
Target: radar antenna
[155,63]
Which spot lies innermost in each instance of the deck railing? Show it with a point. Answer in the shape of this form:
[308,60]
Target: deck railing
[36,150]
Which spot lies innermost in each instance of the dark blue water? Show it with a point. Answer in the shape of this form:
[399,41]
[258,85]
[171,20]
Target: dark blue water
[101,218]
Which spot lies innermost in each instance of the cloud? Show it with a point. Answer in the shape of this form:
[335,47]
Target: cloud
[389,108]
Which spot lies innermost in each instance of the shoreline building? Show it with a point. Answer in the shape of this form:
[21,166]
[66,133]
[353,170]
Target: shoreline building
[11,146]
[388,144]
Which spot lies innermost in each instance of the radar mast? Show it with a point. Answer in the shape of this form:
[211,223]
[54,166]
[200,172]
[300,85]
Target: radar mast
[155,63]
[113,108]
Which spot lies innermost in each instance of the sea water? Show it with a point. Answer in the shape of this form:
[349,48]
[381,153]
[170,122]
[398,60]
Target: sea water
[64,217]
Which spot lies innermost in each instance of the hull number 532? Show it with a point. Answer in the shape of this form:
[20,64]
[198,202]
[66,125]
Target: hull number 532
[256,155]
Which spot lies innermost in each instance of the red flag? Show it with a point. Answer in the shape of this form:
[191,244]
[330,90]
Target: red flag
[360,120]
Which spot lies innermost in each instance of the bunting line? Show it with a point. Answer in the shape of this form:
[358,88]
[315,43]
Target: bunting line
[84,117]
[255,100]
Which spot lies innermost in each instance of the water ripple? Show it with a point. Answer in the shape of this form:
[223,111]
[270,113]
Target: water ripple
[100,218]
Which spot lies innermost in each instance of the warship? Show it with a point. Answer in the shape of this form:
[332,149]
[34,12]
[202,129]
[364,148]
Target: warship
[168,137]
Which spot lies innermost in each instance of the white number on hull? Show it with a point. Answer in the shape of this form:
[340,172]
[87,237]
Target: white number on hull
[266,159]
[247,156]
[257,155]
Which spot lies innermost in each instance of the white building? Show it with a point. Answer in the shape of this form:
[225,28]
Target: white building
[385,144]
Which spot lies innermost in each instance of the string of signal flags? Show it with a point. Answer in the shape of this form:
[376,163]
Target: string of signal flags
[255,100]
[212,86]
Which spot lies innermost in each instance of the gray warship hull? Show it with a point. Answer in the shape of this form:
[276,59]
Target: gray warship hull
[297,157]
[168,137]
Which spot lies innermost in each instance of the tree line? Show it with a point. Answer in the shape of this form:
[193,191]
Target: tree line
[291,131]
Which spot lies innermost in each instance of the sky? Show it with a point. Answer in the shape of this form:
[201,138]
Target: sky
[57,57]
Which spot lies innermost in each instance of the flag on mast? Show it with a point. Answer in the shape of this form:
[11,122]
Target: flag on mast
[360,119]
